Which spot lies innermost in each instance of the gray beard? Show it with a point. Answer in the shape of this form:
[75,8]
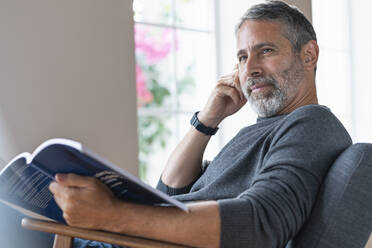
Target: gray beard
[268,104]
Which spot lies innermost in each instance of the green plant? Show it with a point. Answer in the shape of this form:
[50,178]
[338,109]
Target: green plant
[152,93]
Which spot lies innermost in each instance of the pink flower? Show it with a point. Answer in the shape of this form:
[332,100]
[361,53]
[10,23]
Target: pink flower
[144,96]
[154,50]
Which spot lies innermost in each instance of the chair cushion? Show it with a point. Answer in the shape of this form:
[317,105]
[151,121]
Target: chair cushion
[342,214]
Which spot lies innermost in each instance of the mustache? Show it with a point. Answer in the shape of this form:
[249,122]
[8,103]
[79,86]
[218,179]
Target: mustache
[261,80]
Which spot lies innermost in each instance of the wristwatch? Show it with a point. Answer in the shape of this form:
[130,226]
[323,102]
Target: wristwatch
[209,131]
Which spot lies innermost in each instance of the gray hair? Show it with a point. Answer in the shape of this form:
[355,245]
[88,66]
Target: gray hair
[296,28]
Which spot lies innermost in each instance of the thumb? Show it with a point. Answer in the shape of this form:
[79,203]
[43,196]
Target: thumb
[73,180]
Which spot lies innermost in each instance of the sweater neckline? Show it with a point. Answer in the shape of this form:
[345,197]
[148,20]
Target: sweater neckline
[272,118]
[277,117]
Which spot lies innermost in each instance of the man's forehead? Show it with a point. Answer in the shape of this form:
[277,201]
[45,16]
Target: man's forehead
[255,32]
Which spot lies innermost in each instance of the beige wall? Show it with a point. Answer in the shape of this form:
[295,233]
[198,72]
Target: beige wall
[67,70]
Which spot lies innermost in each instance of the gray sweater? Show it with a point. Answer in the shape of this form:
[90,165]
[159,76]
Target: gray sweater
[267,177]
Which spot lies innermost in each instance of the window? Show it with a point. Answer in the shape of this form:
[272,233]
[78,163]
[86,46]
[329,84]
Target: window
[331,23]
[344,84]
[175,70]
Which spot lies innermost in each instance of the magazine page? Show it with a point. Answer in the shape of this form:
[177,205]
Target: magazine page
[26,187]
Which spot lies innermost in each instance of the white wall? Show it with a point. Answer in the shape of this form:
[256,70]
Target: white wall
[67,70]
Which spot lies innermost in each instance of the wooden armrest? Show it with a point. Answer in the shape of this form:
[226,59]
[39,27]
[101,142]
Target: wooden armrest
[101,236]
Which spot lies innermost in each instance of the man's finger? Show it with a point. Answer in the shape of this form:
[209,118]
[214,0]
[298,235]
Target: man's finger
[53,187]
[58,192]
[227,81]
[73,180]
[60,202]
[231,79]
[238,85]
[224,90]
[59,189]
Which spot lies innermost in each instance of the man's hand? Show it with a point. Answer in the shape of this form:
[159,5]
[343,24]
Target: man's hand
[226,99]
[85,201]
[88,203]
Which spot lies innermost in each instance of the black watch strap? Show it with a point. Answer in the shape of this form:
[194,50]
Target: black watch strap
[201,127]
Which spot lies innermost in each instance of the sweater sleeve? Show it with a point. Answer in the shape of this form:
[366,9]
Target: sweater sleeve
[273,209]
[184,190]
[172,191]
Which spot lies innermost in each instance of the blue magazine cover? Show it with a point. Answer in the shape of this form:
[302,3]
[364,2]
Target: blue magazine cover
[25,180]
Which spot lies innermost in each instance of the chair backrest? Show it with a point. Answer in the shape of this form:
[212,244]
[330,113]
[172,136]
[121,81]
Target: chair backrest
[342,214]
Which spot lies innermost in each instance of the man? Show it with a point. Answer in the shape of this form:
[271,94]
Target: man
[259,190]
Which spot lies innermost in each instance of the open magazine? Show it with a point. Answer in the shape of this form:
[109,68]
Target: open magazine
[24,181]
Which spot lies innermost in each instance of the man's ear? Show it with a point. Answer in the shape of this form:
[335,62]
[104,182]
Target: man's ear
[309,55]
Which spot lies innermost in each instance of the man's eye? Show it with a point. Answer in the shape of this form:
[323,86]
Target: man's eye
[242,58]
[267,50]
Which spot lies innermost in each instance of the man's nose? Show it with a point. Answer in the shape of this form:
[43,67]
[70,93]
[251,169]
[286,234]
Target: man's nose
[253,67]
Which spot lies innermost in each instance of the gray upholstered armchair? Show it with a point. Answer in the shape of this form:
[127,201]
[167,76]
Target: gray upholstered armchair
[341,217]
